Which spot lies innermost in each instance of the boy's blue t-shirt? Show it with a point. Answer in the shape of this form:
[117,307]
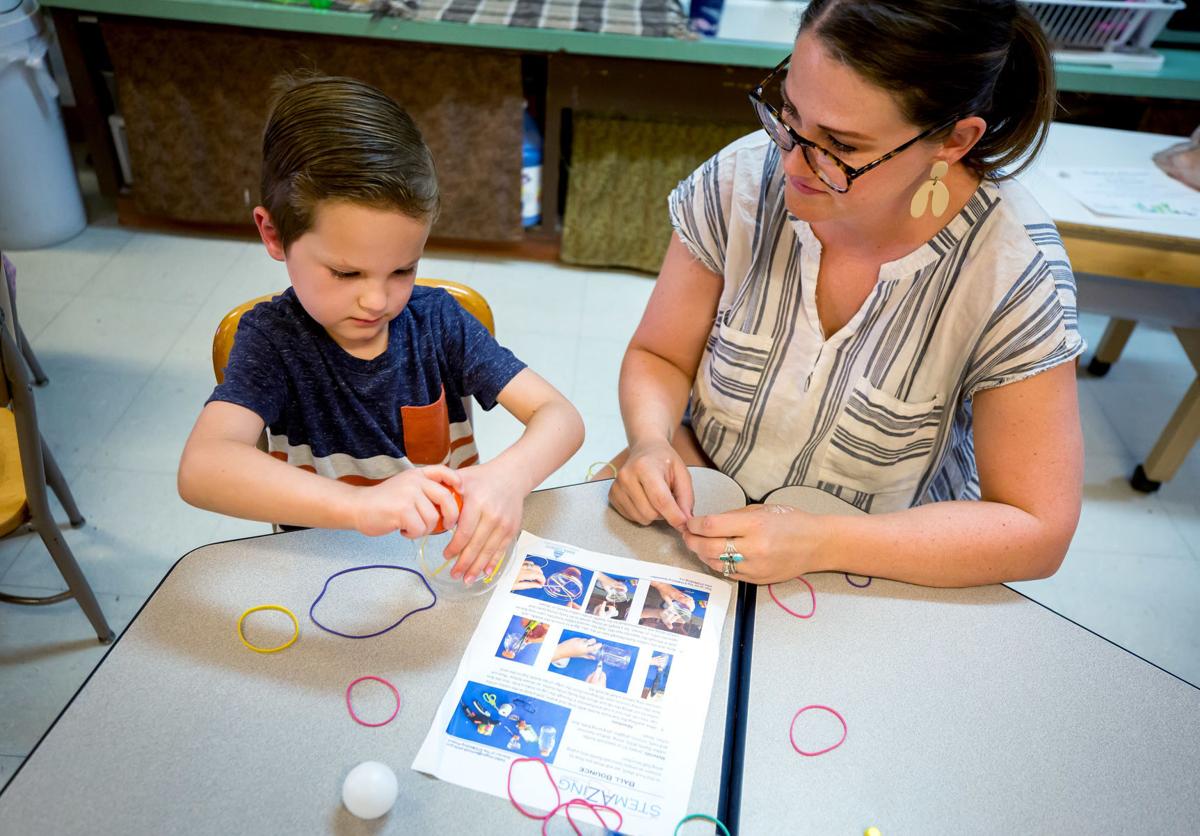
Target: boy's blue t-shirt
[362,421]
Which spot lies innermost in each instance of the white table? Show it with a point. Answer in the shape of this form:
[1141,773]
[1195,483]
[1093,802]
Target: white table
[182,730]
[968,711]
[1129,269]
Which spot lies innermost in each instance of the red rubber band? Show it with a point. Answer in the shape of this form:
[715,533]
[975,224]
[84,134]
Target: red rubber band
[517,805]
[596,808]
[350,705]
[812,592]
[579,802]
[792,730]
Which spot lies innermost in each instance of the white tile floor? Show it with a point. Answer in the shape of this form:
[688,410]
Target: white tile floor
[122,322]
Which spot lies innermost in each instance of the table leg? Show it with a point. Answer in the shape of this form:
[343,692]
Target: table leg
[558,86]
[1181,432]
[85,83]
[1116,334]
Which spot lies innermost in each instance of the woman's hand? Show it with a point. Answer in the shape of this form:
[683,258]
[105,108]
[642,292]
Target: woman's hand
[777,542]
[530,576]
[653,484]
[610,584]
[670,593]
[577,647]
[490,518]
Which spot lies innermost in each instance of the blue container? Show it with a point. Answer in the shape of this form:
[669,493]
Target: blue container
[531,173]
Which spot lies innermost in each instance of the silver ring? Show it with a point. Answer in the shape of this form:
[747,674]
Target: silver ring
[730,558]
[731,554]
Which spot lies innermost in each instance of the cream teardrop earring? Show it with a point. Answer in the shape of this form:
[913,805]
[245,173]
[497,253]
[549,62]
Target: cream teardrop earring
[932,193]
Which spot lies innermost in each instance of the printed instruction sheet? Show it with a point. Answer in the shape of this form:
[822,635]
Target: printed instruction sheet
[603,667]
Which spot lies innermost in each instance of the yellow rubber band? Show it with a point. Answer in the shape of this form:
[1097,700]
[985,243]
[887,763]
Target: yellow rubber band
[491,577]
[277,608]
[591,471]
[496,570]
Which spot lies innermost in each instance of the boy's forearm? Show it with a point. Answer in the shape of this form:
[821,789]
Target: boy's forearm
[948,544]
[552,435]
[232,478]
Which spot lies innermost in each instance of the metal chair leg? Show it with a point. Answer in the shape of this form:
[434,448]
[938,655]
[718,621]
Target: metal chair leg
[58,484]
[39,376]
[38,469]
[27,601]
[77,585]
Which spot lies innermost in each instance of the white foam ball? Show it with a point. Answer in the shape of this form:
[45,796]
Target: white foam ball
[370,790]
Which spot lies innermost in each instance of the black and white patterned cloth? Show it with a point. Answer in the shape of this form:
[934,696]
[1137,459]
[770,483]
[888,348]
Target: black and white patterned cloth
[650,18]
[378,8]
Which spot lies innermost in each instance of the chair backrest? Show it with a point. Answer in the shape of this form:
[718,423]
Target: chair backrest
[8,316]
[16,392]
[470,298]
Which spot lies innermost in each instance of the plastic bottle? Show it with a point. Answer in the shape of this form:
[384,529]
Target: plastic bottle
[531,173]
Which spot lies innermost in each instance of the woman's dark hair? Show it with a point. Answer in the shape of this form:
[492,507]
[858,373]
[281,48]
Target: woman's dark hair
[331,138]
[946,59]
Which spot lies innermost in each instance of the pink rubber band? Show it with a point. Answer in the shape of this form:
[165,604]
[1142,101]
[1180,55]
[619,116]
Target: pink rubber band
[512,799]
[579,802]
[792,730]
[596,808]
[350,705]
[812,592]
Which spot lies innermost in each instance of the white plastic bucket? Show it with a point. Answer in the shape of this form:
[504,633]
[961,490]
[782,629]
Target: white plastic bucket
[40,203]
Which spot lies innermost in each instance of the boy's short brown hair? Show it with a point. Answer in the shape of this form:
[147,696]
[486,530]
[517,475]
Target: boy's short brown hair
[331,138]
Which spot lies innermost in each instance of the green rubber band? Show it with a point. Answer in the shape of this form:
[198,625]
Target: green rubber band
[701,817]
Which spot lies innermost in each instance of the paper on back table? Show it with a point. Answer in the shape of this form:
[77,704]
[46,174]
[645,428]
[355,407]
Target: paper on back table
[633,753]
[1131,192]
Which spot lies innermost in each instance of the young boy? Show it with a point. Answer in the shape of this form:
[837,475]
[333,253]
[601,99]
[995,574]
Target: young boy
[358,375]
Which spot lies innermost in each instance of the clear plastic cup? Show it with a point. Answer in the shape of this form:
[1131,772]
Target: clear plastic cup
[436,569]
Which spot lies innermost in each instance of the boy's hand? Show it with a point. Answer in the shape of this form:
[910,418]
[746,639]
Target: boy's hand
[408,502]
[491,517]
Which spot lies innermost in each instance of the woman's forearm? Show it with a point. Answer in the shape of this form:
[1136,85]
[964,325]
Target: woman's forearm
[653,394]
[946,544]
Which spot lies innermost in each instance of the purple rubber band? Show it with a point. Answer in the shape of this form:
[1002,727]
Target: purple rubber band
[325,588]
[859,585]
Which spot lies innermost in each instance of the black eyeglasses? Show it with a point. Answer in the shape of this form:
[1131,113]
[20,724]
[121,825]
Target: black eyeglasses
[834,173]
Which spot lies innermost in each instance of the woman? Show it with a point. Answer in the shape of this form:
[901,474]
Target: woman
[853,299]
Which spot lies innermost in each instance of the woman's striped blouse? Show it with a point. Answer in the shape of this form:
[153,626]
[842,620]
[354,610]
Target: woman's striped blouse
[880,412]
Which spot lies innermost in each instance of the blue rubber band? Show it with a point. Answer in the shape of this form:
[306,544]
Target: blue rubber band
[701,817]
[325,588]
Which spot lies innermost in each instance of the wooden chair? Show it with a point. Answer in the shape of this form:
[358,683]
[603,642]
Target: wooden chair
[26,468]
[472,300]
